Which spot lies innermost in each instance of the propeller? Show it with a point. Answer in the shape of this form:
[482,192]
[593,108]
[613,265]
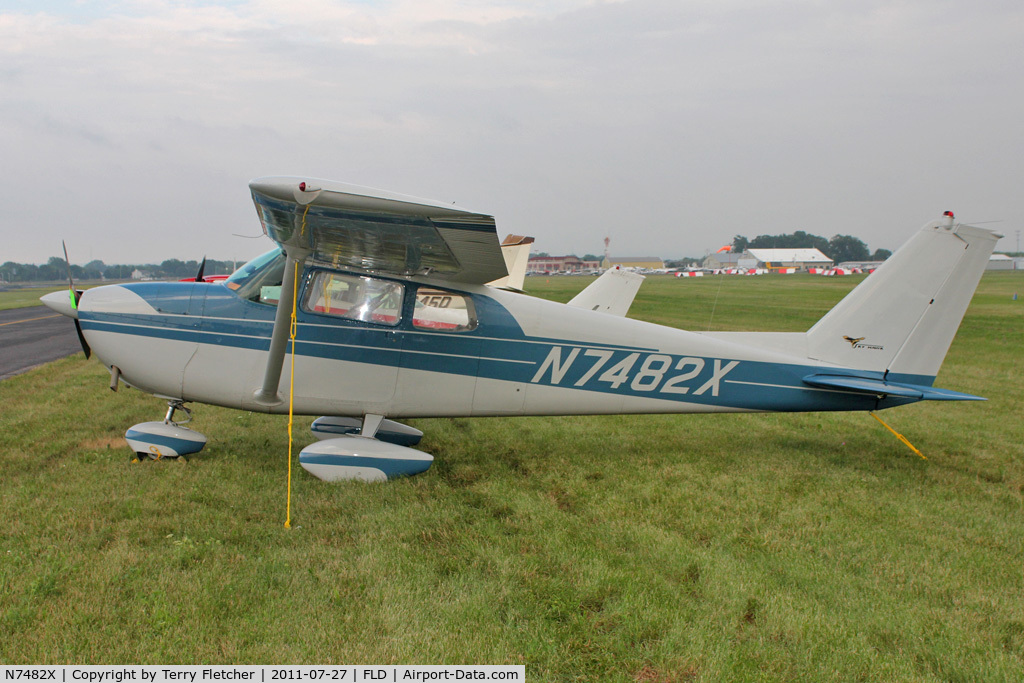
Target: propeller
[202,267]
[76,295]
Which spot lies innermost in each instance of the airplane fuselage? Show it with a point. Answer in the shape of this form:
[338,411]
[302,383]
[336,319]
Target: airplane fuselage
[419,356]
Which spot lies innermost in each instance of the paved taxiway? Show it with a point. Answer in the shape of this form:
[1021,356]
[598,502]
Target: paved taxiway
[33,336]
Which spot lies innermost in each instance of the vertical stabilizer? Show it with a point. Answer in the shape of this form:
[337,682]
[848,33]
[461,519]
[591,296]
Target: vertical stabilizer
[516,251]
[613,292]
[903,317]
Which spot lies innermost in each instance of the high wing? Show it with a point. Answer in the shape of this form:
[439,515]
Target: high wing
[378,231]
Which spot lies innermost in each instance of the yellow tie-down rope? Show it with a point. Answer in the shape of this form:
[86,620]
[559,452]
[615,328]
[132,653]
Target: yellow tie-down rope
[899,436]
[292,331]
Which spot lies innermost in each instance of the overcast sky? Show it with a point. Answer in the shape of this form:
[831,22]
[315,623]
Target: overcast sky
[131,129]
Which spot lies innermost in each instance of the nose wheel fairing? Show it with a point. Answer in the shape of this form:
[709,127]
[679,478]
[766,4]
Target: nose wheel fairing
[167,439]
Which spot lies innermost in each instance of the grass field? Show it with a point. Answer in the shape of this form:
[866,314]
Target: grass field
[629,548]
[29,296]
[22,298]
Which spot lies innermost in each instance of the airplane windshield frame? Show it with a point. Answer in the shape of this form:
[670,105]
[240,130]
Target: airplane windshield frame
[260,279]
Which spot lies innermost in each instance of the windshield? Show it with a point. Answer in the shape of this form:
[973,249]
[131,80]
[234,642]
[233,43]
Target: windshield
[260,279]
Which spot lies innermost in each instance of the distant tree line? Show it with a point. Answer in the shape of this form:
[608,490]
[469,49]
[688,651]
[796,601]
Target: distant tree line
[840,248]
[56,269]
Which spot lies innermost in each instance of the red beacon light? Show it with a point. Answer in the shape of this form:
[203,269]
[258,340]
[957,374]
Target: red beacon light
[948,214]
[302,188]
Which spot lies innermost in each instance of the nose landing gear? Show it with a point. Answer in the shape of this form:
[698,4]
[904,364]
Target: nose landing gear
[167,439]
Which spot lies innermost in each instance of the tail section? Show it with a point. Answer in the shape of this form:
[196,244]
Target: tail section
[516,251]
[613,292]
[903,317]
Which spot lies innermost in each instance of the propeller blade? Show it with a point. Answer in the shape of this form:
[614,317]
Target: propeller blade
[81,339]
[202,267]
[76,295]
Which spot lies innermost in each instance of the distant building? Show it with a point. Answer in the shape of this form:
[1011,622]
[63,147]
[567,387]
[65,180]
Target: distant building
[772,259]
[640,262]
[726,259]
[790,258]
[559,264]
[1001,262]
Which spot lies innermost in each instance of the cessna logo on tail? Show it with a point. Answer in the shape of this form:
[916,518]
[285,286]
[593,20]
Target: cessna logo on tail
[855,342]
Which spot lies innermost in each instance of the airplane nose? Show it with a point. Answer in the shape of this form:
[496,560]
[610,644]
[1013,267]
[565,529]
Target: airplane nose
[61,302]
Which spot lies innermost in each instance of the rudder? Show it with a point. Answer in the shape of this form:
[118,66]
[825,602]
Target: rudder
[903,317]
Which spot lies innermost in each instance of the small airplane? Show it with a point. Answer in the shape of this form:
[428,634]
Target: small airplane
[376,306]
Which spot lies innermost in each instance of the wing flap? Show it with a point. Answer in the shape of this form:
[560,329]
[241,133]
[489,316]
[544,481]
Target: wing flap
[379,231]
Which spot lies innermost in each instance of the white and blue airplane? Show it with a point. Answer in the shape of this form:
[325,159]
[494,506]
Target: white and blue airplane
[393,317]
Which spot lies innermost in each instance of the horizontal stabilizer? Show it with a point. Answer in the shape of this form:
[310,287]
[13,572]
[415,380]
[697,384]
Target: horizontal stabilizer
[867,385]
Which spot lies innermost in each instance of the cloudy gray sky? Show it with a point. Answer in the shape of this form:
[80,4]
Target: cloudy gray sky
[131,129]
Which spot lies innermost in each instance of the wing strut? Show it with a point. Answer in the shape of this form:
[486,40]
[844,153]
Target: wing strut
[267,395]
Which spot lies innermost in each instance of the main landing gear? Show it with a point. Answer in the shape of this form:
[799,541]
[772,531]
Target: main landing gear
[367,449]
[167,439]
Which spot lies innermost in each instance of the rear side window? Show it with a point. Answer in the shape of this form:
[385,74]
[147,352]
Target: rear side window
[439,309]
[354,297]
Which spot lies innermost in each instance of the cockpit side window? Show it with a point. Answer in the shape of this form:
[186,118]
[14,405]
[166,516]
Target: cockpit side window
[444,311]
[354,297]
[260,280]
